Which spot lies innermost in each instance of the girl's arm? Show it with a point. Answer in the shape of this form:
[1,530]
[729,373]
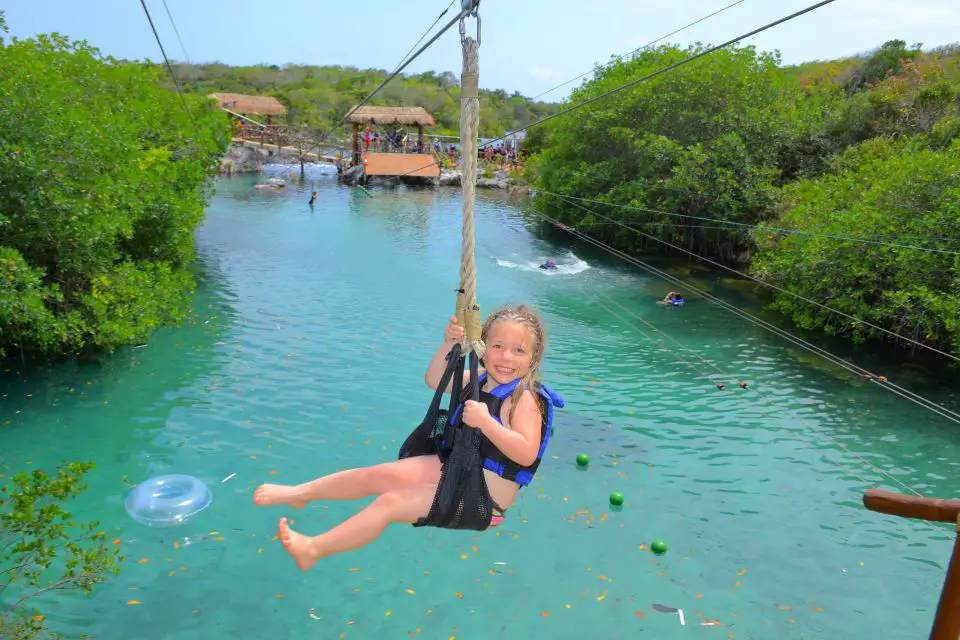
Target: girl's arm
[521,441]
[438,363]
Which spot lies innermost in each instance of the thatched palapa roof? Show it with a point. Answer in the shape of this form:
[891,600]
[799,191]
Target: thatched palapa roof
[392,115]
[240,103]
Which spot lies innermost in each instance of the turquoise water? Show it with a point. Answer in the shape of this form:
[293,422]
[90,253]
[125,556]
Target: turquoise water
[306,353]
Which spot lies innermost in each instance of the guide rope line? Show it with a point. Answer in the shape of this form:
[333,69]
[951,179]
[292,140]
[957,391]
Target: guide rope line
[663,346]
[796,435]
[754,226]
[763,282]
[773,404]
[726,377]
[852,368]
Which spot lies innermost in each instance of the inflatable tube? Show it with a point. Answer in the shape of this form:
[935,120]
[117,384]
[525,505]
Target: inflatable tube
[168,500]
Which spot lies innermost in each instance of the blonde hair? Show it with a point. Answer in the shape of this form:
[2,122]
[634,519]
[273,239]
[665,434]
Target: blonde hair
[528,318]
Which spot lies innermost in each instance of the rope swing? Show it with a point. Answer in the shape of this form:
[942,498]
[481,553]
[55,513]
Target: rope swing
[468,311]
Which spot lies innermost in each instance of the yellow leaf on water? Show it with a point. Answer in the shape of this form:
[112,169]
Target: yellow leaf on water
[411,592]
[133,602]
[463,556]
[219,538]
[143,561]
[280,595]
[475,550]
[388,613]
[38,618]
[214,533]
[176,545]
[354,569]
[171,573]
[742,572]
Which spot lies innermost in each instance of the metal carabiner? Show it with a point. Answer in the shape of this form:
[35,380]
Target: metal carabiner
[471,9]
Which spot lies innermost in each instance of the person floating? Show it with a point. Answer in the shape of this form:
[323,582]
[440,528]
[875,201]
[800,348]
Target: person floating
[550,264]
[513,420]
[313,198]
[673,299]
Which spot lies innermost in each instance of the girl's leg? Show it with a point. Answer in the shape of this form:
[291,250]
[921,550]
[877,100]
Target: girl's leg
[353,483]
[402,505]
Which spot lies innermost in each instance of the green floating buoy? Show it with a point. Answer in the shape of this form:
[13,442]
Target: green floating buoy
[583,459]
[616,498]
[659,547]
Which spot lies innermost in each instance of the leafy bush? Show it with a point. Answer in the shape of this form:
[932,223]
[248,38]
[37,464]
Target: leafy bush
[103,178]
[42,548]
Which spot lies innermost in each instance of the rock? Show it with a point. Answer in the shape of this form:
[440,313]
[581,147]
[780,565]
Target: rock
[242,159]
[352,175]
[449,179]
[491,183]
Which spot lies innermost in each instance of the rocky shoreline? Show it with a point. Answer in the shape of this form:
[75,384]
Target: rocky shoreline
[242,158]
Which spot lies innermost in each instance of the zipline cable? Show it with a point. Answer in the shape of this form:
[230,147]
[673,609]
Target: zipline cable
[764,282]
[639,49]
[169,67]
[177,31]
[403,65]
[658,72]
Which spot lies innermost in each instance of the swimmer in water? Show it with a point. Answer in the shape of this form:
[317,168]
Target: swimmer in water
[549,264]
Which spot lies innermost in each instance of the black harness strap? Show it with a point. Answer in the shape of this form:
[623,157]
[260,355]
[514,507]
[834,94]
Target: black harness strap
[462,500]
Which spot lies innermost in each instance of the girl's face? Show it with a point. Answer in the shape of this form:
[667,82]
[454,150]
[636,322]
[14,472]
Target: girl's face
[509,352]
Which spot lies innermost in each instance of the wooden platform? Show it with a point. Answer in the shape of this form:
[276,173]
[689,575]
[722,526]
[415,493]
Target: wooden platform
[419,165]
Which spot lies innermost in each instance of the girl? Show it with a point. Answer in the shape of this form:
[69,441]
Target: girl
[515,342]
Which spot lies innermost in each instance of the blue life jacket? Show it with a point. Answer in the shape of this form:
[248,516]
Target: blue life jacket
[493,459]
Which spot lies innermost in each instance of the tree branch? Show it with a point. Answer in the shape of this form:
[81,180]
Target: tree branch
[61,584]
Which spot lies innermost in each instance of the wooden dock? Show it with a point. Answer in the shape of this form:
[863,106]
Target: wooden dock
[414,165]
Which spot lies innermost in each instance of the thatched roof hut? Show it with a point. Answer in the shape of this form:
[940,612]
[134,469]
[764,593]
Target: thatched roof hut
[249,105]
[410,116]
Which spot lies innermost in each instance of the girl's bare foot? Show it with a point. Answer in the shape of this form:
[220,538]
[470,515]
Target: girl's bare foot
[298,545]
[270,494]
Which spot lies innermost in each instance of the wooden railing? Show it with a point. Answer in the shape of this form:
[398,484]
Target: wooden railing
[946,622]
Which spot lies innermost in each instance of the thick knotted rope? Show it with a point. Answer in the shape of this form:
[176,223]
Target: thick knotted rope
[468,311]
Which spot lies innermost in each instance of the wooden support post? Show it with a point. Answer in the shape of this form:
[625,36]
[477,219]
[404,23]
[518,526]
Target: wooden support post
[419,138]
[355,159]
[946,622]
